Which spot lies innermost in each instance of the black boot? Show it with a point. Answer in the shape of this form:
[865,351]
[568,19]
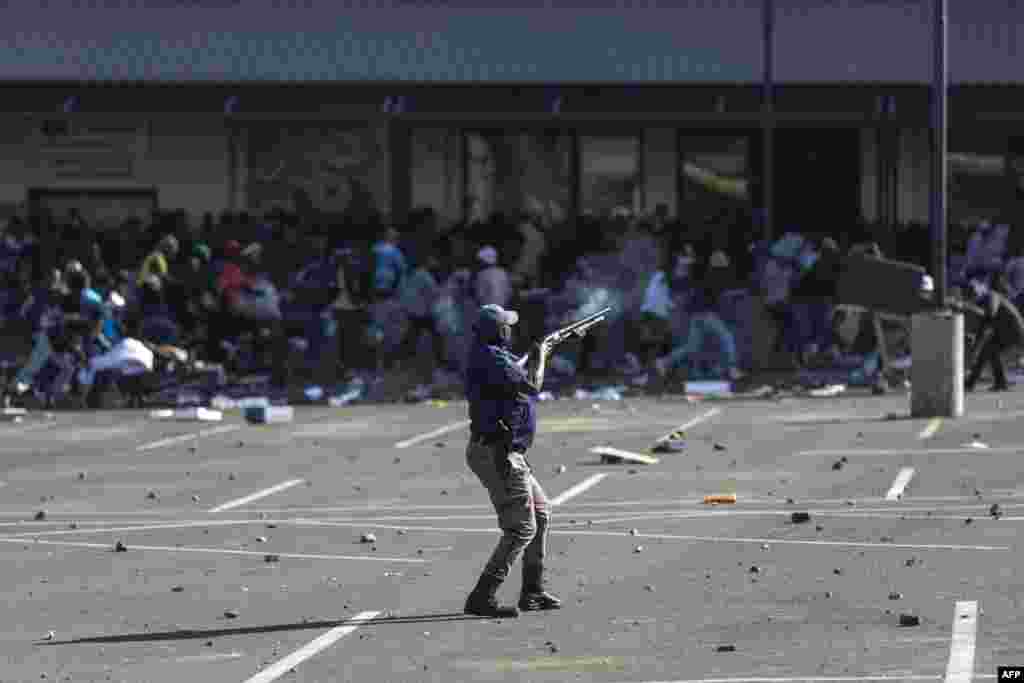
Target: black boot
[483,603]
[533,597]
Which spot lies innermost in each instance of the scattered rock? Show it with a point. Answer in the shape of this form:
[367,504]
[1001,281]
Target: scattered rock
[552,647]
[790,501]
[208,643]
[120,547]
[818,527]
[895,595]
[638,549]
[368,538]
[725,648]
[649,588]
[837,571]
[995,511]
[440,444]
[828,594]
[230,614]
[969,520]
[719,447]
[50,635]
[271,558]
[231,476]
[837,465]
[261,539]
[177,589]
[195,498]
[851,503]
[271,526]
[910,563]
[73,525]
[560,469]
[41,515]
[444,492]
[401,532]
[81,476]
[909,620]
[765,546]
[886,539]
[633,532]
[754,569]
[151,495]
[800,517]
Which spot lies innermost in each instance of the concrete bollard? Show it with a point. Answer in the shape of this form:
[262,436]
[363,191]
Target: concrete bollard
[937,373]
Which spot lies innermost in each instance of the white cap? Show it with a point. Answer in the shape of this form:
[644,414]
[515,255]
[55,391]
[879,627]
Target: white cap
[488,255]
[927,284]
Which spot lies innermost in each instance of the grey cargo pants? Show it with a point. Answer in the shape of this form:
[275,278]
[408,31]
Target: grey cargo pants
[522,509]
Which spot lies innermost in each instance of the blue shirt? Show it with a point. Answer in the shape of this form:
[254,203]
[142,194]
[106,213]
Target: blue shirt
[389,267]
[498,389]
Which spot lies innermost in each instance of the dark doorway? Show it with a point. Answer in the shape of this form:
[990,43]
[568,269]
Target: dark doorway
[817,180]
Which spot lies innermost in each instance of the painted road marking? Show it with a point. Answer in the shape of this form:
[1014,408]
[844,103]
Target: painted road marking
[960,667]
[819,679]
[902,479]
[214,551]
[184,524]
[256,496]
[170,441]
[664,537]
[929,431]
[578,488]
[283,666]
[907,451]
[692,423]
[455,426]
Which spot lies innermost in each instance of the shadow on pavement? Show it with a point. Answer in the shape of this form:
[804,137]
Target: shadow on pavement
[186,634]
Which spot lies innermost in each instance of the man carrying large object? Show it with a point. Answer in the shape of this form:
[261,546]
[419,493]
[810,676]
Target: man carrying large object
[502,390]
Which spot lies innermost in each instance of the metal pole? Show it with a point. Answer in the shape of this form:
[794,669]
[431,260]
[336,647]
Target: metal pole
[767,122]
[940,138]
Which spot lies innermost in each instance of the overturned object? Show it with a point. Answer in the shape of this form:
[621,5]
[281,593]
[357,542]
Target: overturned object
[720,498]
[616,456]
[269,414]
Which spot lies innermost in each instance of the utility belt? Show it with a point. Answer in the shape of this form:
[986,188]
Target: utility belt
[500,442]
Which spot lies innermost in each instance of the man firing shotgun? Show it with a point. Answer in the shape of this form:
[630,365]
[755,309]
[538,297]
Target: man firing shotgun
[502,390]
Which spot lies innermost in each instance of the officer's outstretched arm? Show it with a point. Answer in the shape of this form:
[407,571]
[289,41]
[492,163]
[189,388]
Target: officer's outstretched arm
[536,365]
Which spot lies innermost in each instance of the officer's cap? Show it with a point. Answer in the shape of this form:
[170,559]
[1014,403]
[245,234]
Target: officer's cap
[496,313]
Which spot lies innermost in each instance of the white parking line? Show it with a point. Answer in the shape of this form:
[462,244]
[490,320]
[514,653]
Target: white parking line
[906,451]
[819,679]
[960,667]
[213,551]
[929,431]
[184,524]
[902,479]
[256,496]
[170,441]
[579,488]
[692,423]
[663,537]
[283,666]
[461,424]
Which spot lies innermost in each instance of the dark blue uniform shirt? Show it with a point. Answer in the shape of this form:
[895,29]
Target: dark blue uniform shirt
[498,389]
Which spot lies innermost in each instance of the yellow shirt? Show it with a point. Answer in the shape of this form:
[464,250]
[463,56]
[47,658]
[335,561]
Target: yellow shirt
[154,264]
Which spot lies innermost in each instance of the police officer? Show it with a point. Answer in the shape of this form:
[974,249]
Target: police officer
[502,390]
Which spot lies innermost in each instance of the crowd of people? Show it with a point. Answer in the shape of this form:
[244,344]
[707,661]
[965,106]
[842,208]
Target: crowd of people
[255,292]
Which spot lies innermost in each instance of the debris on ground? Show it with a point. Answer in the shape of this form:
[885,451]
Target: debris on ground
[800,517]
[271,558]
[39,516]
[719,447]
[120,547]
[195,498]
[969,520]
[50,635]
[198,414]
[261,539]
[368,538]
[151,495]
[828,391]
[910,562]
[177,589]
[638,549]
[895,595]
[230,614]
[669,445]
[909,620]
[720,498]
[633,532]
[837,571]
[615,456]
[754,569]
[269,414]
[995,511]
[725,648]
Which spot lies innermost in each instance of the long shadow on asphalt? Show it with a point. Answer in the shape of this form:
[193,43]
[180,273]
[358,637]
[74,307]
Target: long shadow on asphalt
[248,630]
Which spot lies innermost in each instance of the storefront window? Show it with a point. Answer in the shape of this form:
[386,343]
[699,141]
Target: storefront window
[610,175]
[509,172]
[714,174]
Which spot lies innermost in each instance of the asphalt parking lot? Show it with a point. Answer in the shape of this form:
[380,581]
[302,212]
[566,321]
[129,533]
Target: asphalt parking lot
[242,556]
